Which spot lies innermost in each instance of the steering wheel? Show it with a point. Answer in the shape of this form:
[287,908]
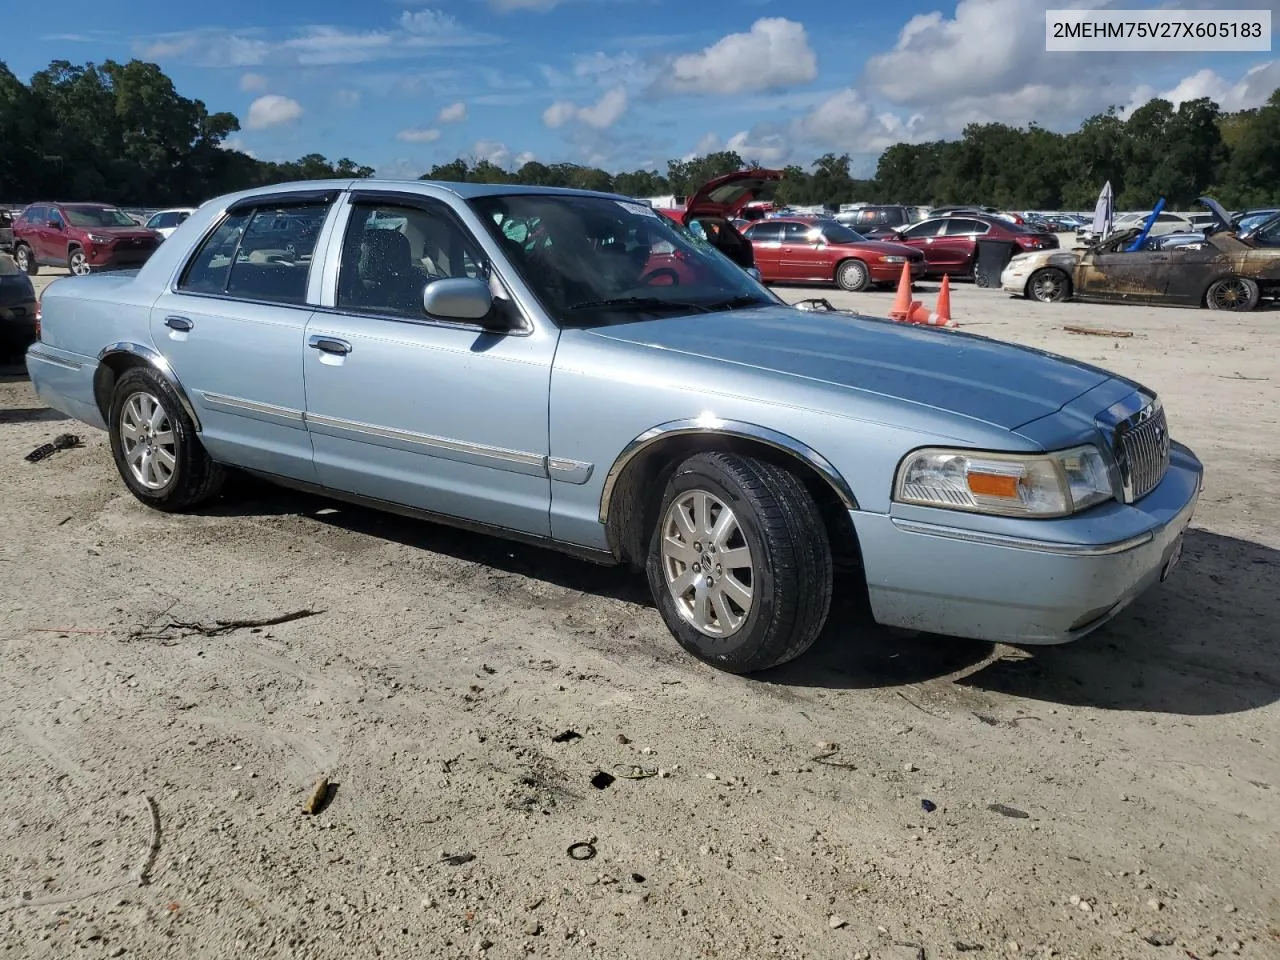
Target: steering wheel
[652,278]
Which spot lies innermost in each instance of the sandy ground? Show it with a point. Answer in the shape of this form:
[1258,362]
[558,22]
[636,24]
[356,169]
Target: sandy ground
[1137,769]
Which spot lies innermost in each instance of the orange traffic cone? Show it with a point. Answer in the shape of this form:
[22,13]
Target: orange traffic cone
[923,315]
[944,301]
[902,302]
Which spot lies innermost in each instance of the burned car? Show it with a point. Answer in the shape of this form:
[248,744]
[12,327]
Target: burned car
[1222,272]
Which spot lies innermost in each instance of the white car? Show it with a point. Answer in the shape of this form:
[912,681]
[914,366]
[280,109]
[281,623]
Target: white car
[166,221]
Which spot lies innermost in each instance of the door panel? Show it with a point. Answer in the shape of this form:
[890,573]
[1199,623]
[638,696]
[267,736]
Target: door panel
[1138,276]
[766,244]
[439,416]
[233,334]
[796,256]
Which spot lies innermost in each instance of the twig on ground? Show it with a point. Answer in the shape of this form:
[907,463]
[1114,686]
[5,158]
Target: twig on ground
[67,630]
[1095,332]
[924,710]
[144,872]
[218,627]
[1240,376]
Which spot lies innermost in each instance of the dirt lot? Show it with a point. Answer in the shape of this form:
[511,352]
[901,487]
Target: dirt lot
[1137,769]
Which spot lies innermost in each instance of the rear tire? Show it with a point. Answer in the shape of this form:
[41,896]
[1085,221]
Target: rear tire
[155,445]
[768,603]
[853,275]
[26,260]
[1237,294]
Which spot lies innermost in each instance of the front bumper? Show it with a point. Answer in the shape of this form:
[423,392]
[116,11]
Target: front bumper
[1013,278]
[892,272]
[936,577]
[118,257]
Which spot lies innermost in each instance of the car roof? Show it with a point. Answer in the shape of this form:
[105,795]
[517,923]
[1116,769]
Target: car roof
[464,191]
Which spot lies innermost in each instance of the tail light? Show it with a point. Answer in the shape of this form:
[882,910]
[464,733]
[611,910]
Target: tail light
[38,308]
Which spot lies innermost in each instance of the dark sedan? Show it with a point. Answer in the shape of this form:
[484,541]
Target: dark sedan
[17,308]
[950,244]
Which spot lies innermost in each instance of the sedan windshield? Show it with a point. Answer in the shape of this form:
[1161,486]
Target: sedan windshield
[594,260]
[97,217]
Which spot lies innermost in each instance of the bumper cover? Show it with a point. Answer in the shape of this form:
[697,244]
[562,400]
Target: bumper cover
[938,578]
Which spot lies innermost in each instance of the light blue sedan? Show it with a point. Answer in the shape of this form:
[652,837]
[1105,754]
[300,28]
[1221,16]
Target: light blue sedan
[566,368]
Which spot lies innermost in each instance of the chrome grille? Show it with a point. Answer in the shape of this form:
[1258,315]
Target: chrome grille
[1141,448]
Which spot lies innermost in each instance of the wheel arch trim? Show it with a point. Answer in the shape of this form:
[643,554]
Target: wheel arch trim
[735,429]
[147,356]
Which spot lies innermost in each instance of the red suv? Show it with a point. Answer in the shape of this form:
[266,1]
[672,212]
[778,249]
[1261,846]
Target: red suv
[950,244]
[808,249]
[81,237]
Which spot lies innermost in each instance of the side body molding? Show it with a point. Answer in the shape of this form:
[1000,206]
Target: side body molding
[724,428]
[153,359]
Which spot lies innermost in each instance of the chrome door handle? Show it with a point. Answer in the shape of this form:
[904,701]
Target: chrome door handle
[329,345]
[178,323]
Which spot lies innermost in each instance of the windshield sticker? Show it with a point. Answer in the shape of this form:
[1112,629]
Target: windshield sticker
[639,209]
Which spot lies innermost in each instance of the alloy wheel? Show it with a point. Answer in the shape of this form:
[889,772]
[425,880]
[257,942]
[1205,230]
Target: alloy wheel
[707,563]
[148,442]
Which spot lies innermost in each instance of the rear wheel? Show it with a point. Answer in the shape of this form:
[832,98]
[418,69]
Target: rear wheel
[739,562]
[852,275]
[25,259]
[155,445]
[77,262]
[1049,285]
[1233,293]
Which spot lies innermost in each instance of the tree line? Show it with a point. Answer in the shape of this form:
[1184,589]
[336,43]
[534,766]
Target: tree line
[121,133]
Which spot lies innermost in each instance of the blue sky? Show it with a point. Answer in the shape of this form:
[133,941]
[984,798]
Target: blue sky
[622,84]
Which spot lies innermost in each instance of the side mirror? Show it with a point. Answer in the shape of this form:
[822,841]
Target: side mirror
[458,298]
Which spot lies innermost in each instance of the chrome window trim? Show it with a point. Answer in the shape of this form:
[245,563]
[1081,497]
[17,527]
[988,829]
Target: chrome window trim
[724,428]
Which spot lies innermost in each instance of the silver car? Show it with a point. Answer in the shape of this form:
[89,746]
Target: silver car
[567,368]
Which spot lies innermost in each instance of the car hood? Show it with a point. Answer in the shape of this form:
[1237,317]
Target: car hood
[121,233]
[726,196]
[998,383]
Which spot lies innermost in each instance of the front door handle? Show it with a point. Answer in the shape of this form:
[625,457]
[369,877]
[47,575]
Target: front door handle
[329,345]
[178,323]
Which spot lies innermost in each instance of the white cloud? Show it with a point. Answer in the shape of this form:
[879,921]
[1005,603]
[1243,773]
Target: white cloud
[1251,90]
[760,148]
[525,156]
[347,98]
[271,110]
[235,143]
[454,113]
[419,135]
[493,151]
[414,34]
[253,81]
[600,115]
[774,54]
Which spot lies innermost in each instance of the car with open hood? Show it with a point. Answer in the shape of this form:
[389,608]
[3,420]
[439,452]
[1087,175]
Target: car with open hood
[496,358]
[819,250]
[1217,269]
[711,210]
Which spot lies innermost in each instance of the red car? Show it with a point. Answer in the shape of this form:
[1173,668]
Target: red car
[81,237]
[950,244]
[720,200]
[811,249]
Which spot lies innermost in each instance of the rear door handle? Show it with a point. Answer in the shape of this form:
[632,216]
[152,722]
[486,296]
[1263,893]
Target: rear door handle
[178,323]
[329,345]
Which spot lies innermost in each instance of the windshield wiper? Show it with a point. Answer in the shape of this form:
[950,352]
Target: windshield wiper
[641,303]
[741,300]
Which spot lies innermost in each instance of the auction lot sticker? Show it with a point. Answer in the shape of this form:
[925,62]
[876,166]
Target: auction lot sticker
[1164,30]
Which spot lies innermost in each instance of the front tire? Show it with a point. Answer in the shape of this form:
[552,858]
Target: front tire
[77,262]
[853,275]
[1237,294]
[1048,285]
[739,562]
[155,445]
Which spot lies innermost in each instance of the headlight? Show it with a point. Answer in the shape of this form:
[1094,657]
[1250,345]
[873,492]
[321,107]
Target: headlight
[893,259]
[1008,485]
[99,239]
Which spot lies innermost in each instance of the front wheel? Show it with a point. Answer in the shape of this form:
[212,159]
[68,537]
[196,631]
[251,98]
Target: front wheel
[1049,285]
[77,262]
[155,446]
[739,562]
[852,275]
[1233,293]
